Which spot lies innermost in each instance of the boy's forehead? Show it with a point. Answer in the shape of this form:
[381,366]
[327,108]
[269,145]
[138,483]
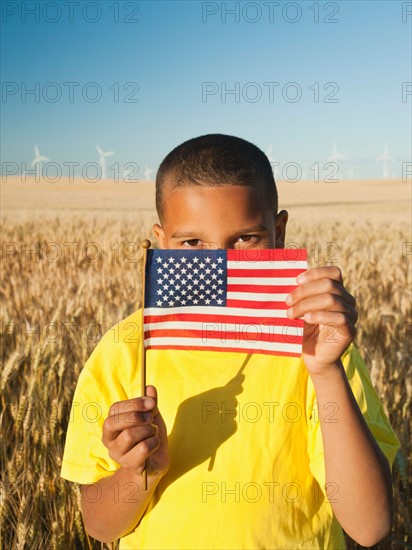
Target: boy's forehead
[228,200]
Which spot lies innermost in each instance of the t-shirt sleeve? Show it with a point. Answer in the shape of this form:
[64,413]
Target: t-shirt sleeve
[104,380]
[370,406]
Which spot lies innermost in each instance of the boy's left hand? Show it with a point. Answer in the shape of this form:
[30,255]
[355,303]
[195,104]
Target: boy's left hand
[331,326]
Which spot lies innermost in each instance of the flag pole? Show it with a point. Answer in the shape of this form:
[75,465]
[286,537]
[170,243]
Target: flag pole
[145,245]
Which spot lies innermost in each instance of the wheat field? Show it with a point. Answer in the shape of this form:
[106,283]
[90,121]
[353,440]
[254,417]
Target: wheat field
[70,269]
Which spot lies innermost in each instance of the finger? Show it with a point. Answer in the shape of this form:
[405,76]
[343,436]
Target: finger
[321,286]
[322,302]
[118,421]
[152,392]
[130,437]
[114,425]
[138,404]
[325,272]
[141,452]
[340,321]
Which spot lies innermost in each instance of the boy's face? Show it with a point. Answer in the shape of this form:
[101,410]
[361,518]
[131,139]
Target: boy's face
[229,216]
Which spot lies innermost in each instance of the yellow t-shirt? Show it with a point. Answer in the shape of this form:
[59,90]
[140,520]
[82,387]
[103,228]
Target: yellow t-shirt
[247,466]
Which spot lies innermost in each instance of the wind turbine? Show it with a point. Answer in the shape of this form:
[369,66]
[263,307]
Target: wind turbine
[147,173]
[272,161]
[38,159]
[385,159]
[102,159]
[335,156]
[353,174]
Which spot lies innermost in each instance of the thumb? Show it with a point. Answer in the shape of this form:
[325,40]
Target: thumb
[152,392]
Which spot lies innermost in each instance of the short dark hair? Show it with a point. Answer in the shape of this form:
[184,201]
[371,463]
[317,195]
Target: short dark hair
[214,160]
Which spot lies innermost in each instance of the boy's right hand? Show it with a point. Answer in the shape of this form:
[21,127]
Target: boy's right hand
[133,439]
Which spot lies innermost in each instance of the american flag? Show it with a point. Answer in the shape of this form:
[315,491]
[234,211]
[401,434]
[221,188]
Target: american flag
[222,300]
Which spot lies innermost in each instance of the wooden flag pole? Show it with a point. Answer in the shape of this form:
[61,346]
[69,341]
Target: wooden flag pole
[145,245]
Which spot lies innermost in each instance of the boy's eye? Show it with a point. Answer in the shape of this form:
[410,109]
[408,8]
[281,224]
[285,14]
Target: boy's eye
[191,242]
[248,238]
[195,242]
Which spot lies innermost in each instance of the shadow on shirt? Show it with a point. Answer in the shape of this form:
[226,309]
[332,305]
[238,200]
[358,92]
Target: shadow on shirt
[202,423]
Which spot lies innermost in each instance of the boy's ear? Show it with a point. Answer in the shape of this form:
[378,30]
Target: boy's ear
[280,227]
[159,233]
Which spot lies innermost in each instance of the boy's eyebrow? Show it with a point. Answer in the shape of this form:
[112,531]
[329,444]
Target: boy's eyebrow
[258,227]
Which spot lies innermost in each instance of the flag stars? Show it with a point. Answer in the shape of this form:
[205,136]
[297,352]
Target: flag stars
[189,280]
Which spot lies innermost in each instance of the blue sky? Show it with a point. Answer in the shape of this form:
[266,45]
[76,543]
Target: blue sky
[178,58]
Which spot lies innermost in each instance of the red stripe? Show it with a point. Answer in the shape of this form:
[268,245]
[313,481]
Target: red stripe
[268,254]
[251,304]
[261,288]
[258,273]
[211,348]
[240,336]
[200,318]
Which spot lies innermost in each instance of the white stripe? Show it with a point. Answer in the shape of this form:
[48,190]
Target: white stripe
[216,310]
[274,264]
[256,297]
[235,327]
[274,281]
[185,342]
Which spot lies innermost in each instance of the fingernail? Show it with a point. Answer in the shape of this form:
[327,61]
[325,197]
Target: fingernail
[301,278]
[288,299]
[148,402]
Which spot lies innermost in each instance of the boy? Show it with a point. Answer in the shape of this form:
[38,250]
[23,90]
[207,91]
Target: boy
[303,446]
